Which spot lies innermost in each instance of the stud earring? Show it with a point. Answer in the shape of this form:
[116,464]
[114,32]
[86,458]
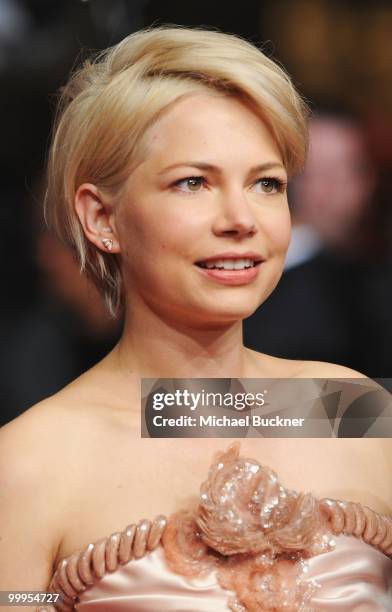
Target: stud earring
[108,242]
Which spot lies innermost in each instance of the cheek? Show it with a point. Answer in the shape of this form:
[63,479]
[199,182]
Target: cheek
[276,228]
[150,233]
[178,226]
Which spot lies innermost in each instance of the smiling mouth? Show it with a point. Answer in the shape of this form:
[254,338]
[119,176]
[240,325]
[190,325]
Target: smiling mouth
[228,264]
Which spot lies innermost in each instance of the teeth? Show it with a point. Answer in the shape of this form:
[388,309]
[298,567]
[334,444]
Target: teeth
[229,264]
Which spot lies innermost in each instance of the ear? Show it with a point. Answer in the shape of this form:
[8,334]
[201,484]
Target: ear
[97,218]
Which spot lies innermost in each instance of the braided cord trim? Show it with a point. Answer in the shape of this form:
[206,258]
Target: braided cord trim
[81,570]
[353,519]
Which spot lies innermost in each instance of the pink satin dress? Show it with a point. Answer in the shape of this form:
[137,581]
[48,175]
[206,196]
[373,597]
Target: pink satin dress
[251,545]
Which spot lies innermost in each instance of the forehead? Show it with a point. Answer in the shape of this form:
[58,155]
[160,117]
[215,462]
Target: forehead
[210,125]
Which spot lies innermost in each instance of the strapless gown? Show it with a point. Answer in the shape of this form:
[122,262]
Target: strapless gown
[251,545]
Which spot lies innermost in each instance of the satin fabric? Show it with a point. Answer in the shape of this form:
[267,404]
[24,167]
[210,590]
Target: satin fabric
[147,585]
[354,577]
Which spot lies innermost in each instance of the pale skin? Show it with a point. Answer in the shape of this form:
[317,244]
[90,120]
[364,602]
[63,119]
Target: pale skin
[73,469]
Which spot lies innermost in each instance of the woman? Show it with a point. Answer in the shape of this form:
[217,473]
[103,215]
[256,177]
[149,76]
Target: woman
[167,175]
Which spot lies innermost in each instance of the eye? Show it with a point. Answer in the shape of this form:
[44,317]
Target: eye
[270,185]
[190,184]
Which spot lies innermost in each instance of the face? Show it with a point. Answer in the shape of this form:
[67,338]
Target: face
[211,191]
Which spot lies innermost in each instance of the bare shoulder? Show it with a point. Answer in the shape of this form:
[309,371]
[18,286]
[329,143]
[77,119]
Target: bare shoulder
[35,449]
[268,366]
[320,369]
[29,441]
[54,446]
[59,428]
[279,367]
[39,436]
[32,500]
[47,455]
[323,369]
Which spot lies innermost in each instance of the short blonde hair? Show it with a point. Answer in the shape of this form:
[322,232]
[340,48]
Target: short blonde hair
[110,102]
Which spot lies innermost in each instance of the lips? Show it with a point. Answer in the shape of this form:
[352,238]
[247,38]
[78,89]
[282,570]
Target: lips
[231,261]
[231,268]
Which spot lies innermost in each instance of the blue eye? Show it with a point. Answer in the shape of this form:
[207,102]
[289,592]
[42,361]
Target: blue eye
[271,185]
[191,183]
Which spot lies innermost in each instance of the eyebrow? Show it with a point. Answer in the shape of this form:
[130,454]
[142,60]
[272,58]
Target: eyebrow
[211,168]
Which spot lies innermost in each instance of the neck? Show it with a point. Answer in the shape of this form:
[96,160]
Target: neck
[156,347]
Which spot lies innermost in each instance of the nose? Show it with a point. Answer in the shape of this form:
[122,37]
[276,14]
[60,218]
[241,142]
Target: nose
[235,217]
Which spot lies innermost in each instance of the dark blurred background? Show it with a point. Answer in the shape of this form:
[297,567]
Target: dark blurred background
[334,300]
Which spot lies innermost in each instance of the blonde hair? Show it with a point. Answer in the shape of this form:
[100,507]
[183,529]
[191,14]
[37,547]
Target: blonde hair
[109,103]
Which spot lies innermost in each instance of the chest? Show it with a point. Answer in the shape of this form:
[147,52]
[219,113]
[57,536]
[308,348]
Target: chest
[141,478]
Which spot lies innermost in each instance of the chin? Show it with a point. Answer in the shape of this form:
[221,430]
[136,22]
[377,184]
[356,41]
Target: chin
[230,313]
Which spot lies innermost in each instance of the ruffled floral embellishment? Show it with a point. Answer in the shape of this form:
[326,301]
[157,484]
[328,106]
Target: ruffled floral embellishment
[253,532]
[244,509]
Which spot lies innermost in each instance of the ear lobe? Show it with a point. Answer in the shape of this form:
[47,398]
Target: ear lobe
[96,218]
